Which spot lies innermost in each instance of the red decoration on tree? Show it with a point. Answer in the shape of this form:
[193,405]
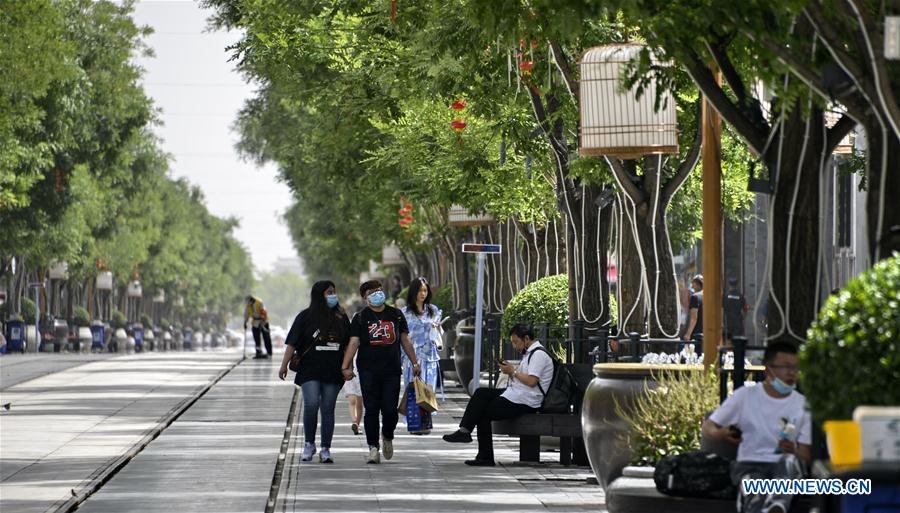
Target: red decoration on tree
[458,105]
[525,67]
[458,125]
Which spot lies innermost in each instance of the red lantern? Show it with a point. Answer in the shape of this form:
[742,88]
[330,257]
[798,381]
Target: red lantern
[458,105]
[458,125]
[525,67]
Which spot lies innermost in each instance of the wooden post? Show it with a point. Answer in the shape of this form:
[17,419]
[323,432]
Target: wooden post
[712,231]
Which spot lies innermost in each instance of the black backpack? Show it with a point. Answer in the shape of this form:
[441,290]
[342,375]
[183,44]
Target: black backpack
[695,474]
[560,396]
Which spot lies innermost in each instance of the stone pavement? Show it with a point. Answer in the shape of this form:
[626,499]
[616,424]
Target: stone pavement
[220,454]
[17,368]
[66,428]
[427,474]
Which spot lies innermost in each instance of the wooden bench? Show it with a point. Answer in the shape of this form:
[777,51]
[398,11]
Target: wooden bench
[532,426]
[565,426]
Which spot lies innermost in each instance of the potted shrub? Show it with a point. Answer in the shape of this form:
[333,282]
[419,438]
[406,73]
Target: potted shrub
[82,320]
[852,356]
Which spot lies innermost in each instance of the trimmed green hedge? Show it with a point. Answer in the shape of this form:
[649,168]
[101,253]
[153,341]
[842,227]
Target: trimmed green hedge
[852,356]
[82,317]
[443,298]
[545,300]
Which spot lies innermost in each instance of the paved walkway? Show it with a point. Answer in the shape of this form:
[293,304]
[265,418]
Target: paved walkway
[219,456]
[65,428]
[18,368]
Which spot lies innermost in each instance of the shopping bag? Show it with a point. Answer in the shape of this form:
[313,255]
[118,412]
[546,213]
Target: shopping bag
[425,396]
[418,421]
[404,398]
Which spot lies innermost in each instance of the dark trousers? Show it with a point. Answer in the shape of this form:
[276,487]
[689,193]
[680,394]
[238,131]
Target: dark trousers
[262,331]
[485,406]
[380,393]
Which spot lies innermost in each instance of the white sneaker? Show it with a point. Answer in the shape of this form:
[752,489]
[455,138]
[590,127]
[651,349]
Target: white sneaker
[308,450]
[387,447]
[374,457]
[325,455]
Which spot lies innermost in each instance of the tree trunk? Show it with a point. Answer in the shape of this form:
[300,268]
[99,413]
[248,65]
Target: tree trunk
[794,245]
[883,187]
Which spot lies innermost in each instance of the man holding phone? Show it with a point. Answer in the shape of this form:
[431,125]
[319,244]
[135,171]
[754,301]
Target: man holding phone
[523,395]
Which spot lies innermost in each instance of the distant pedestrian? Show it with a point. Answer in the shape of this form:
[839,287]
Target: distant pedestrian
[424,321]
[320,334]
[377,332]
[735,308]
[256,312]
[695,310]
[354,402]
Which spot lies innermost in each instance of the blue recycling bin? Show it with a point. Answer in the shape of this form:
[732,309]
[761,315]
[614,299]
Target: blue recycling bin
[138,334]
[16,339]
[98,335]
[188,339]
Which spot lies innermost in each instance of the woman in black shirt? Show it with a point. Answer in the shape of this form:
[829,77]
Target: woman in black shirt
[320,334]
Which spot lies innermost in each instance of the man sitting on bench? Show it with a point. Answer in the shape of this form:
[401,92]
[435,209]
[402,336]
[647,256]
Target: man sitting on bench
[774,429]
[522,395]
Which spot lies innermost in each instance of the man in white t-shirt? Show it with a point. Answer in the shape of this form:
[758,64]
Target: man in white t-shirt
[525,392]
[771,423]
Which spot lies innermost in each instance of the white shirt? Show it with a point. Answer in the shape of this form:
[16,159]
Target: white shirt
[759,417]
[538,365]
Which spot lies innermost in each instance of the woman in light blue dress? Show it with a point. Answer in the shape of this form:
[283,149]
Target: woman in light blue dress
[423,319]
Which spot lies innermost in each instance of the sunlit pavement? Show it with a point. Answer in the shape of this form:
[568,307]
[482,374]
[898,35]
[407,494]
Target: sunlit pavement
[219,456]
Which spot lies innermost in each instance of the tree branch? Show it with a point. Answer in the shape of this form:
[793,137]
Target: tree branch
[754,135]
[623,178]
[835,43]
[837,133]
[562,63]
[688,164]
[727,68]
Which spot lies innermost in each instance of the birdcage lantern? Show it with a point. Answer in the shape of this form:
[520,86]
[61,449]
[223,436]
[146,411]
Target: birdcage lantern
[615,122]
[461,216]
[134,289]
[59,270]
[391,255]
[104,280]
[160,296]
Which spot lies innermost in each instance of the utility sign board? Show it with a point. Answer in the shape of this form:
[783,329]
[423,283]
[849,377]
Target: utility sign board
[490,249]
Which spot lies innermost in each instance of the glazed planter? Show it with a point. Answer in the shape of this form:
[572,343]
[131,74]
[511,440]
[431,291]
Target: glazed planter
[603,429]
[464,355]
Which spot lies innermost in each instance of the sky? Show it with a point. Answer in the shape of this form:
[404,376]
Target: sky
[199,94]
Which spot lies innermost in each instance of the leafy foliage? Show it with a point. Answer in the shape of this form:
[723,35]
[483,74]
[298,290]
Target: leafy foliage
[666,419]
[852,357]
[82,317]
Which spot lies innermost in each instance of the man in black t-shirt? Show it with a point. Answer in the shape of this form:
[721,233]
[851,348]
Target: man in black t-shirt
[375,331]
[695,310]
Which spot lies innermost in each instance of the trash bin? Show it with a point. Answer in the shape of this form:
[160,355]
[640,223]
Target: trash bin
[138,333]
[98,336]
[188,341]
[60,334]
[16,339]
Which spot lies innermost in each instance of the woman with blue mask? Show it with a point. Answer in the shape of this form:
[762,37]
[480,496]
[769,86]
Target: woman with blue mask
[320,335]
[424,322]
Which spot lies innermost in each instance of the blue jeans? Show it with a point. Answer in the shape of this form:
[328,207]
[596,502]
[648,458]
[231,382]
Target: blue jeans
[318,395]
[380,394]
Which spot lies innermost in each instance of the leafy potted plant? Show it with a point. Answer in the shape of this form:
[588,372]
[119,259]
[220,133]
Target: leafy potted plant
[82,320]
[852,356]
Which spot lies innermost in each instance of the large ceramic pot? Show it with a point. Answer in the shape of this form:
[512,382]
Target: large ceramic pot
[602,426]
[464,354]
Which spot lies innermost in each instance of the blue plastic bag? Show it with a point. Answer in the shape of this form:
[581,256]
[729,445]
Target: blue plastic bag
[418,421]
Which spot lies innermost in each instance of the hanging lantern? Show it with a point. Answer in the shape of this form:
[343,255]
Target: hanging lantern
[617,123]
[134,289]
[160,296]
[525,67]
[458,125]
[59,270]
[460,216]
[104,281]
[458,105]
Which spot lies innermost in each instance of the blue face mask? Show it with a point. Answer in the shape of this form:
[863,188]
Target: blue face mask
[332,300]
[781,387]
[376,299]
